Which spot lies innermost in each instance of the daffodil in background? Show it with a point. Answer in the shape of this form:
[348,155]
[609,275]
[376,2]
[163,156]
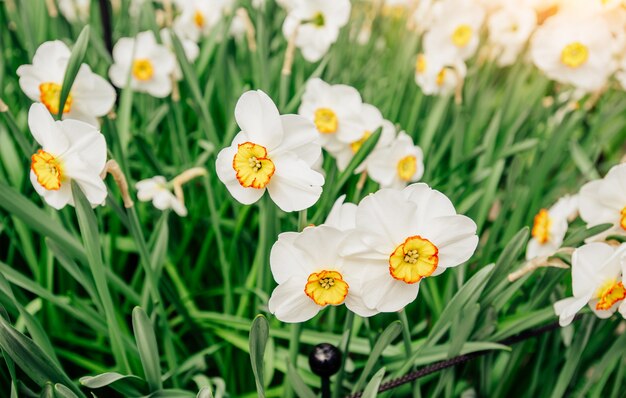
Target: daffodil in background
[90,97]
[336,112]
[509,29]
[402,237]
[311,275]
[550,226]
[143,64]
[70,150]
[597,281]
[397,165]
[604,201]
[190,48]
[371,119]
[75,10]
[316,25]
[439,74]
[157,190]
[574,48]
[272,152]
[198,18]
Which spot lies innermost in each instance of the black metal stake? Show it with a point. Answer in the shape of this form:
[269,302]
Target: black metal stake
[325,361]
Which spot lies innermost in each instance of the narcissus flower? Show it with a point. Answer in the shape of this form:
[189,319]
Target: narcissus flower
[597,281]
[274,152]
[398,164]
[311,275]
[456,33]
[90,97]
[370,120]
[604,201]
[437,74]
[574,49]
[316,24]
[550,226]
[143,64]
[402,237]
[335,111]
[156,189]
[198,17]
[71,150]
[509,30]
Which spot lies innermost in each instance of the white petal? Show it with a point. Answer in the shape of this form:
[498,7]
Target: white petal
[287,260]
[57,199]
[567,308]
[92,94]
[258,117]
[46,131]
[290,304]
[294,185]
[299,137]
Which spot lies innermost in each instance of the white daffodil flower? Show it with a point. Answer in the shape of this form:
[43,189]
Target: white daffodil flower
[144,64]
[398,164]
[509,30]
[370,120]
[190,48]
[604,201]
[574,48]
[311,275]
[90,97]
[316,24]
[272,152]
[342,216]
[550,226]
[402,237]
[597,281]
[456,33]
[335,111]
[198,18]
[426,14]
[438,74]
[75,10]
[71,150]
[156,189]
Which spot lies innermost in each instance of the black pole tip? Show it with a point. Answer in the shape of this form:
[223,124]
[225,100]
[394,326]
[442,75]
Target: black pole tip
[325,360]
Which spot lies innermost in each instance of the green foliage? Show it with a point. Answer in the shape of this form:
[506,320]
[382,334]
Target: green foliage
[136,302]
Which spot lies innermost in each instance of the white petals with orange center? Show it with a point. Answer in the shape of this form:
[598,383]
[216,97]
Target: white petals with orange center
[50,96]
[326,287]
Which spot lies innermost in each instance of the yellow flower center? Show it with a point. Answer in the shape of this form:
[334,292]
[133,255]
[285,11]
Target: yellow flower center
[541,226]
[48,169]
[50,96]
[356,145]
[326,287]
[574,55]
[254,169]
[198,19]
[622,221]
[413,260]
[462,35]
[143,69]
[441,77]
[420,64]
[609,294]
[318,20]
[407,166]
[326,121]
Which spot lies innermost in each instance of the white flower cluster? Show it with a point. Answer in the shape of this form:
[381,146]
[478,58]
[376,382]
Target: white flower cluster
[597,267]
[371,257]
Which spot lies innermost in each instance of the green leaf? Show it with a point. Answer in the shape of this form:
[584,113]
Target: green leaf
[298,385]
[37,219]
[580,235]
[387,336]
[259,334]
[148,349]
[127,385]
[205,392]
[371,390]
[91,238]
[73,66]
[62,391]
[30,358]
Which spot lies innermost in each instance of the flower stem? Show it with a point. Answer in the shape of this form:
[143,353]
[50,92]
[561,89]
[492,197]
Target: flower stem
[345,345]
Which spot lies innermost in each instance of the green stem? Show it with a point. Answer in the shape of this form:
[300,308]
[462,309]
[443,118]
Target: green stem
[348,326]
[294,346]
[406,332]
